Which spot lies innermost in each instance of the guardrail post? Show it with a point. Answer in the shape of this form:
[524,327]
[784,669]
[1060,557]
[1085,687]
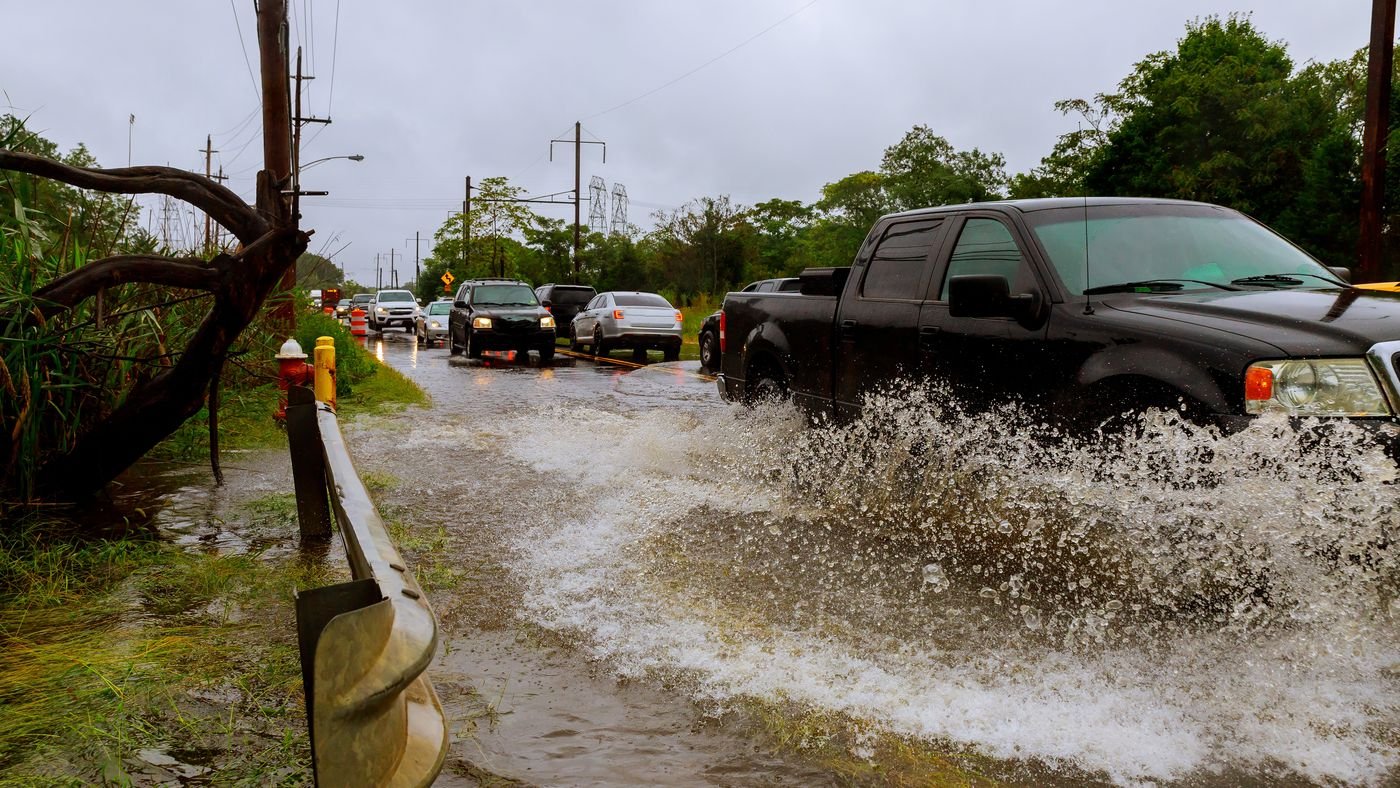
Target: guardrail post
[308,464]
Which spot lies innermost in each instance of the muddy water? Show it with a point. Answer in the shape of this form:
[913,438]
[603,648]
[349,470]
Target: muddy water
[1174,606]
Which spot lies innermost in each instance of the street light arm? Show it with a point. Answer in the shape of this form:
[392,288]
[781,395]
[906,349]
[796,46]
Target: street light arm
[354,157]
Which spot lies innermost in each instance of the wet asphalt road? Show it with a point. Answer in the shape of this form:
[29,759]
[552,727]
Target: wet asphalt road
[527,704]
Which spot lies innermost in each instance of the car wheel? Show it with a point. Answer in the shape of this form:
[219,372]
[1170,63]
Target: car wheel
[600,348]
[709,347]
[473,348]
[672,353]
[546,353]
[574,344]
[767,385]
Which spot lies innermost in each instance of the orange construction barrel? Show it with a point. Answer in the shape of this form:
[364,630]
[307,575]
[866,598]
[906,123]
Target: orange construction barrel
[359,327]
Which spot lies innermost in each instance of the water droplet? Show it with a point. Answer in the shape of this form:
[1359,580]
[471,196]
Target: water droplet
[987,592]
[1113,604]
[775,530]
[935,578]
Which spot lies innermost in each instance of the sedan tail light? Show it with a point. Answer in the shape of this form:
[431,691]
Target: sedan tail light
[680,318]
[617,314]
[722,347]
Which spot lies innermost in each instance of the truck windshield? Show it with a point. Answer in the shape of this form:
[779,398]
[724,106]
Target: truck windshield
[1199,246]
[395,295]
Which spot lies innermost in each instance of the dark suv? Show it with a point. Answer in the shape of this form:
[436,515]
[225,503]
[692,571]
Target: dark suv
[564,302]
[499,314]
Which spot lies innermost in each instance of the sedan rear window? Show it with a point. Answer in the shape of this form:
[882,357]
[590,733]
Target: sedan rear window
[641,299]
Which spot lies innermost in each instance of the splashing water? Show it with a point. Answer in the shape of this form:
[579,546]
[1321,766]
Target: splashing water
[1161,604]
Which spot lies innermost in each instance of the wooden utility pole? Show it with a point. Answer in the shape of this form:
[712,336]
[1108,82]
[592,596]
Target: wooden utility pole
[467,227]
[209,173]
[1374,138]
[277,130]
[578,183]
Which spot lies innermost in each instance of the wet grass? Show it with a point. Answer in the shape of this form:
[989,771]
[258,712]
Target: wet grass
[128,660]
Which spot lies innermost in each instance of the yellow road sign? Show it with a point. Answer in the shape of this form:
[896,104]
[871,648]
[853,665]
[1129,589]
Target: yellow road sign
[448,278]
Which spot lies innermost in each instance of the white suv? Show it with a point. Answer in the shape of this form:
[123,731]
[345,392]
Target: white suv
[393,308]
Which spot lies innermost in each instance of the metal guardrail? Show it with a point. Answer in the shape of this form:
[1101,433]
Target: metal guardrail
[374,716]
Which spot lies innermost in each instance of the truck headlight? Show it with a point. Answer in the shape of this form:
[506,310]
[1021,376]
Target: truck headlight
[547,321]
[481,322]
[381,310]
[1314,387]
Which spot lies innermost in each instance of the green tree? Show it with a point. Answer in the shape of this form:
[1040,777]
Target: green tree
[778,226]
[924,169]
[315,272]
[492,249]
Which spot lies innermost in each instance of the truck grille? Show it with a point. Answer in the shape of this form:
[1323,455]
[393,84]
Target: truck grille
[516,325]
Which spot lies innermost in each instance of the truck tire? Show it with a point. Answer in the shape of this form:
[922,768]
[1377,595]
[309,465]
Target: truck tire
[546,353]
[473,348]
[452,346]
[709,350]
[766,384]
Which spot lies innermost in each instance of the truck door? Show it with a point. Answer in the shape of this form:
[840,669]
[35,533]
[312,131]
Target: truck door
[877,323]
[991,358]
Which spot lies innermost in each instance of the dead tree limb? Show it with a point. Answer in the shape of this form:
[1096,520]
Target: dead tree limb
[219,202]
[76,286]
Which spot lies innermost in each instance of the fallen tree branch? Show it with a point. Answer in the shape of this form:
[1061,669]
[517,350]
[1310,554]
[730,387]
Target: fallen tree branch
[225,207]
[76,286]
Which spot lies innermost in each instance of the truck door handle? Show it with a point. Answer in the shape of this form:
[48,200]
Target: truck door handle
[928,335]
[848,328]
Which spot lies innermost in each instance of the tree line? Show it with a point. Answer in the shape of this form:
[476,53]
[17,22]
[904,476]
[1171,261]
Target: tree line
[1226,117]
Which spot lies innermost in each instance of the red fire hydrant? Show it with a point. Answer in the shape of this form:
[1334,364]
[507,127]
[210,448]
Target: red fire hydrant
[292,370]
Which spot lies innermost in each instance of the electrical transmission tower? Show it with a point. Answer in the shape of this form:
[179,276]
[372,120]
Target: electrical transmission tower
[597,205]
[619,209]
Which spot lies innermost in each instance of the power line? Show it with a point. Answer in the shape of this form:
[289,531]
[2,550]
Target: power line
[709,62]
[244,47]
[335,45]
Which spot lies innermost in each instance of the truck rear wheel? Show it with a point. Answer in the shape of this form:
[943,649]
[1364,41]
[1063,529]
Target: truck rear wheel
[766,384]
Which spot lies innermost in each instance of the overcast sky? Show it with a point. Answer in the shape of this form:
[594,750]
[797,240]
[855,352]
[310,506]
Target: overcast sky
[430,91]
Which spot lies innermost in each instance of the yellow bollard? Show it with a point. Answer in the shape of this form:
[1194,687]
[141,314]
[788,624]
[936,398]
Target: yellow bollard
[325,370]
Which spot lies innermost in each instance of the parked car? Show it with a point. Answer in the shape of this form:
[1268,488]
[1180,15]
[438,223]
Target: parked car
[431,323]
[564,301]
[628,319]
[499,314]
[710,329]
[1085,309]
[393,308]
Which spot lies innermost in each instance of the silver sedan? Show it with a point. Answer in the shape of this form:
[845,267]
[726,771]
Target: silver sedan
[628,319]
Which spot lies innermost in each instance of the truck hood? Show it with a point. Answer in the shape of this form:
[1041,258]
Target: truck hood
[1314,322]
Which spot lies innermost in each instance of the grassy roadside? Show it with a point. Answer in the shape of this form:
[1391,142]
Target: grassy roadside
[132,660]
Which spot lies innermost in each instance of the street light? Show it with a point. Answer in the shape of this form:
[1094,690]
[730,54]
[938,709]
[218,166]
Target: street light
[353,157]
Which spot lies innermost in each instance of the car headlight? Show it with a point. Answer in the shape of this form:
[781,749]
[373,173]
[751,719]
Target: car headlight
[1314,387]
[481,322]
[435,324]
[547,321]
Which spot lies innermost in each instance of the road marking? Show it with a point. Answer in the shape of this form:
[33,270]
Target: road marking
[621,363]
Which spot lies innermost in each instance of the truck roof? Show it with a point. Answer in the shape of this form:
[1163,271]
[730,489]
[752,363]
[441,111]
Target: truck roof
[1048,203]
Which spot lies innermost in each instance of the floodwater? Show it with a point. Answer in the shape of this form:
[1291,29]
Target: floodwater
[639,564]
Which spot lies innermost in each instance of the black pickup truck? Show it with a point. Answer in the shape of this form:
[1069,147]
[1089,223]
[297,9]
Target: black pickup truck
[1086,308]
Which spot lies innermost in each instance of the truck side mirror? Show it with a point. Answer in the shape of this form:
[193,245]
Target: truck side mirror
[459,304]
[546,303]
[989,295]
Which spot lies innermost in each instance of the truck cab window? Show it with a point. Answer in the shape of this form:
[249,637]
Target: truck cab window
[985,246]
[897,267]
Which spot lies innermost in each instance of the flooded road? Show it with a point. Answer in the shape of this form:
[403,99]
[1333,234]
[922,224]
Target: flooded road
[640,584]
